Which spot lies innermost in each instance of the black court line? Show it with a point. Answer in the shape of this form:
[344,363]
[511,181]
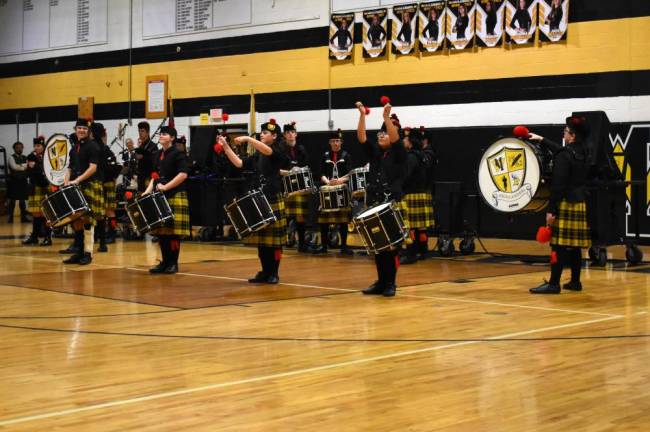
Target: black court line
[271,339]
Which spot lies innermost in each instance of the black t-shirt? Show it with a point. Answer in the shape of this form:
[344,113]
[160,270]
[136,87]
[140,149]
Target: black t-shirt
[36,174]
[417,171]
[147,164]
[169,163]
[387,171]
[267,171]
[82,154]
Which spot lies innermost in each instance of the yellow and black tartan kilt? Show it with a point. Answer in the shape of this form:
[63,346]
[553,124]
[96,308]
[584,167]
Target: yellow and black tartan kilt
[180,226]
[35,199]
[93,191]
[110,196]
[570,227]
[274,235]
[337,217]
[297,207]
[403,209]
[419,210]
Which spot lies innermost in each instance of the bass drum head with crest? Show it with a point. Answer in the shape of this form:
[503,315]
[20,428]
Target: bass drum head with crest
[56,158]
[511,177]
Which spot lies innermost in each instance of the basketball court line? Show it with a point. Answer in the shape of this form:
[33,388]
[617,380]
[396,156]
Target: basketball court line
[511,305]
[293,373]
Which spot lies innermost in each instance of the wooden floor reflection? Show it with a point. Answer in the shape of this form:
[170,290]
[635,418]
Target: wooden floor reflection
[463,346]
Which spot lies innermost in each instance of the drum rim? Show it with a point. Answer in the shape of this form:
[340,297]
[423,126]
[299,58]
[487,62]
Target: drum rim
[332,188]
[383,206]
[478,183]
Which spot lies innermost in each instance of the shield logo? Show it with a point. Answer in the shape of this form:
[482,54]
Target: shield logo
[58,154]
[508,169]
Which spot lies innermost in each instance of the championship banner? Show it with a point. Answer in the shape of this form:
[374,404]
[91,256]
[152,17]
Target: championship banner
[404,28]
[432,20]
[489,22]
[374,32]
[341,42]
[460,23]
[55,158]
[553,20]
[521,21]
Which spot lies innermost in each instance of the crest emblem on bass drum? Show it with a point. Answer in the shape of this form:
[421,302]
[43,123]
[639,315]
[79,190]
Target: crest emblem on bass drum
[508,169]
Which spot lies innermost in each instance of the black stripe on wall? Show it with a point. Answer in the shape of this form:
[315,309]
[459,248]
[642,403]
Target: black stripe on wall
[611,84]
[580,10]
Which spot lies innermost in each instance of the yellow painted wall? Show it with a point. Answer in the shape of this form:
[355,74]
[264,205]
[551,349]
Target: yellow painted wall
[596,46]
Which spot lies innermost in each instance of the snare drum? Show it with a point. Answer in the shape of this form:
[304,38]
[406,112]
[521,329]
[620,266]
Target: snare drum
[64,206]
[334,198]
[357,182]
[298,182]
[149,211]
[381,227]
[250,213]
[513,176]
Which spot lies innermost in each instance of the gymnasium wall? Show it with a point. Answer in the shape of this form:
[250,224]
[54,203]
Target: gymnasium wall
[465,98]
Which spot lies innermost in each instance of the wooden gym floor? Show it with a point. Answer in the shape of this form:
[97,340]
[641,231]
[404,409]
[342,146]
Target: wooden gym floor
[463,346]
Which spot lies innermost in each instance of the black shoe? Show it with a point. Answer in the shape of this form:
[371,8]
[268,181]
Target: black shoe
[375,289]
[573,286]
[24,219]
[31,240]
[74,259]
[86,259]
[303,248]
[546,288]
[390,290]
[259,278]
[171,269]
[102,248]
[72,249]
[346,251]
[408,259]
[10,219]
[47,241]
[110,240]
[320,250]
[273,279]
[160,268]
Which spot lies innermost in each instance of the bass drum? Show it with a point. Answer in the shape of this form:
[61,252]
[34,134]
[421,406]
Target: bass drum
[514,176]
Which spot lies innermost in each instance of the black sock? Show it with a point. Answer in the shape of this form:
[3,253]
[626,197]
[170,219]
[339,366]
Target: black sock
[300,229]
[263,256]
[45,228]
[379,264]
[35,225]
[79,241]
[343,232]
[557,263]
[576,264]
[390,263]
[101,231]
[274,258]
[324,235]
[174,246]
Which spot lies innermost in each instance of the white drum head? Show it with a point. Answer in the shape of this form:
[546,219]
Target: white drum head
[509,175]
[56,158]
[374,210]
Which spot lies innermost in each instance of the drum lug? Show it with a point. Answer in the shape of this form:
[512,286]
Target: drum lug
[446,246]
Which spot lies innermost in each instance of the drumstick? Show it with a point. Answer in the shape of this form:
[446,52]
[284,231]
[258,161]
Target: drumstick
[514,161]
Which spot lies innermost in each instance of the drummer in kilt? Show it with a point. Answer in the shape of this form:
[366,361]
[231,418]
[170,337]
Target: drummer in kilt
[110,169]
[386,176]
[417,198]
[297,205]
[269,158]
[567,209]
[171,169]
[85,171]
[38,184]
[335,166]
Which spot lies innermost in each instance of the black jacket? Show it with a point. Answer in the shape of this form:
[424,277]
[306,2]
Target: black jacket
[406,33]
[522,17]
[570,172]
[169,163]
[555,18]
[342,37]
[36,174]
[83,154]
[432,30]
[297,156]
[335,165]
[376,34]
[418,165]
[387,171]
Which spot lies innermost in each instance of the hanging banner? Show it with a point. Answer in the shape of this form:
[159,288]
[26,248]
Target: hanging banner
[341,36]
[404,29]
[374,32]
[432,20]
[521,21]
[553,20]
[489,22]
[460,23]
